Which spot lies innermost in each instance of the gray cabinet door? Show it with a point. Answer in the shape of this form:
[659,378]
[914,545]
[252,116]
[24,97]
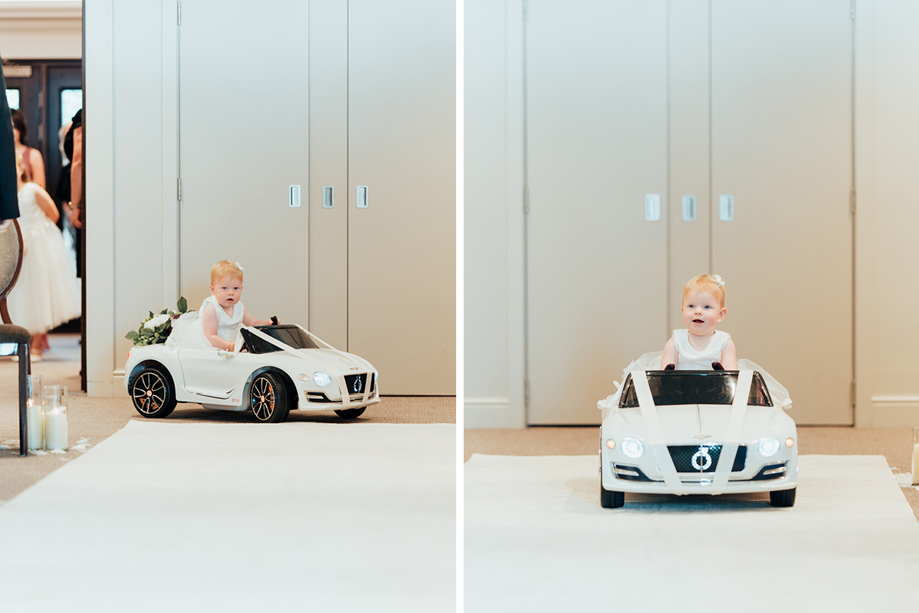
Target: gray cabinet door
[402,160]
[781,126]
[244,135]
[596,147]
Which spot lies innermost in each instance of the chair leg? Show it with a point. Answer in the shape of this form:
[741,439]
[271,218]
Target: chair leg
[24,371]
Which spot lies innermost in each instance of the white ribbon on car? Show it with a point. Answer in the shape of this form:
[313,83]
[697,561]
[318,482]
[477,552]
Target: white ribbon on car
[735,430]
[656,442]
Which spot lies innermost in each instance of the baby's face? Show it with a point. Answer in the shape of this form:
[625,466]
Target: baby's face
[227,291]
[702,313]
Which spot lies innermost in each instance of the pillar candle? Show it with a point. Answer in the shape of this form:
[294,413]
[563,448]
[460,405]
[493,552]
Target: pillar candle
[56,430]
[33,419]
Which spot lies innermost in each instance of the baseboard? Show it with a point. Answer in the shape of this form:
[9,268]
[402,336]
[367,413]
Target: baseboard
[894,411]
[491,413]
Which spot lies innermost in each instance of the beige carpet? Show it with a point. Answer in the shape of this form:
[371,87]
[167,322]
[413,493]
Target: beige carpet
[92,420]
[537,540]
[895,444]
[179,516]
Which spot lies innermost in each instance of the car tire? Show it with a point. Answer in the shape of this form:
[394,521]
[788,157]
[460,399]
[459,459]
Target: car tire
[611,500]
[350,413]
[782,498]
[268,398]
[153,392]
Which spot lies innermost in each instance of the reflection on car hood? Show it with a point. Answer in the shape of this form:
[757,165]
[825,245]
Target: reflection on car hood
[330,359]
[686,423]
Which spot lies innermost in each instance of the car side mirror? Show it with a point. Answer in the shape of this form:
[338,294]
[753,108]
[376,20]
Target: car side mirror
[786,404]
[224,354]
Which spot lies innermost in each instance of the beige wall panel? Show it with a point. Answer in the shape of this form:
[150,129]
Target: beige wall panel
[596,145]
[782,146]
[244,140]
[137,129]
[689,147]
[402,145]
[485,210]
[328,246]
[896,200]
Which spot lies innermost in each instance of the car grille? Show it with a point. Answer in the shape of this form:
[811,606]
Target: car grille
[357,383]
[703,458]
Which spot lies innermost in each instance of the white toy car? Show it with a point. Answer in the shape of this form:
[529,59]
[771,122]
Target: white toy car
[274,369]
[697,432]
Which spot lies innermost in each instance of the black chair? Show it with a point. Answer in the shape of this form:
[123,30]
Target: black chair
[11,249]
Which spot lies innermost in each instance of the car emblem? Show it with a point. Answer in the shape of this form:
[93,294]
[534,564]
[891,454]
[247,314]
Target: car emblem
[357,385]
[702,461]
[702,436]
[354,368]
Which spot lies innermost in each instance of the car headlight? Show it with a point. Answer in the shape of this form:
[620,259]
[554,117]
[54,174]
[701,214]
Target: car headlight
[633,447]
[768,446]
[321,379]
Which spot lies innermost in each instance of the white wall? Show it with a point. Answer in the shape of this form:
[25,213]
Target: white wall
[887,217]
[890,191]
[493,290]
[40,30]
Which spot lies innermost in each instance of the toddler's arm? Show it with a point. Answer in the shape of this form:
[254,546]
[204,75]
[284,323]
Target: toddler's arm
[248,320]
[729,356]
[670,355]
[209,322]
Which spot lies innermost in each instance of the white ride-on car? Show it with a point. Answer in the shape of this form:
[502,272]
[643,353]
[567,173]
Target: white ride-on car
[274,369]
[697,432]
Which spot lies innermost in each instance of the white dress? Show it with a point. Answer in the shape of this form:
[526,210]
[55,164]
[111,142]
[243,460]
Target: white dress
[188,330]
[47,293]
[689,358]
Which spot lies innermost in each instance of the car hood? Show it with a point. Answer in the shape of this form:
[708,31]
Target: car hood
[691,423]
[337,362]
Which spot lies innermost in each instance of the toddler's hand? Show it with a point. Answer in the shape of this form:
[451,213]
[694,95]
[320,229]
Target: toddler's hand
[232,347]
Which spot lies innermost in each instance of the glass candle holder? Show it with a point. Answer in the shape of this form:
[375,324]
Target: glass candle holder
[55,416]
[915,455]
[34,403]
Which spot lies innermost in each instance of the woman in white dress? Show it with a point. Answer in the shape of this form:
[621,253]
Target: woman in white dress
[48,292]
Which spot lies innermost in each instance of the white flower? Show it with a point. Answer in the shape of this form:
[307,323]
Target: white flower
[156,320]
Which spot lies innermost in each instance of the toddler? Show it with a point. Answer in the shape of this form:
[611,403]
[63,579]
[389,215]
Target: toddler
[222,314]
[700,344]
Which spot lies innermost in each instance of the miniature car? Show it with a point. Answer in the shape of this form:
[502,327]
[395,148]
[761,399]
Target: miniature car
[697,432]
[274,369]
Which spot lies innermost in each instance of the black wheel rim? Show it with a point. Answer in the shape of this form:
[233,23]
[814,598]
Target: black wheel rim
[149,392]
[261,398]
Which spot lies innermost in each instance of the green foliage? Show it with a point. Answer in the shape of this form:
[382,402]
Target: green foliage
[151,335]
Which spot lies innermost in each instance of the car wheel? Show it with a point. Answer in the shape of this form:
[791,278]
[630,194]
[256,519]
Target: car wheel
[611,500]
[350,413]
[153,393]
[268,398]
[782,498]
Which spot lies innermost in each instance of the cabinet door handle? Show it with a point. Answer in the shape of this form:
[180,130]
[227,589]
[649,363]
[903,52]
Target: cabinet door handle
[363,200]
[652,207]
[328,197]
[726,207]
[293,196]
[689,208]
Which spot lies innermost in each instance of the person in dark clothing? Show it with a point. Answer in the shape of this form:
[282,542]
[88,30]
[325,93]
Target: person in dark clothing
[9,200]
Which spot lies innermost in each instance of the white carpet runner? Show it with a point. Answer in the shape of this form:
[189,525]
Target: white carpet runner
[237,517]
[536,539]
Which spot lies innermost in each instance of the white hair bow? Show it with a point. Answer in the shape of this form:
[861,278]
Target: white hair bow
[241,269]
[719,280]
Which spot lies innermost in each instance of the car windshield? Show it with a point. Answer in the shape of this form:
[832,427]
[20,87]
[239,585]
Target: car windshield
[289,335]
[674,387]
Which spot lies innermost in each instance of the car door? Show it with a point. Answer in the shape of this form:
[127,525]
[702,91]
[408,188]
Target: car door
[211,374]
